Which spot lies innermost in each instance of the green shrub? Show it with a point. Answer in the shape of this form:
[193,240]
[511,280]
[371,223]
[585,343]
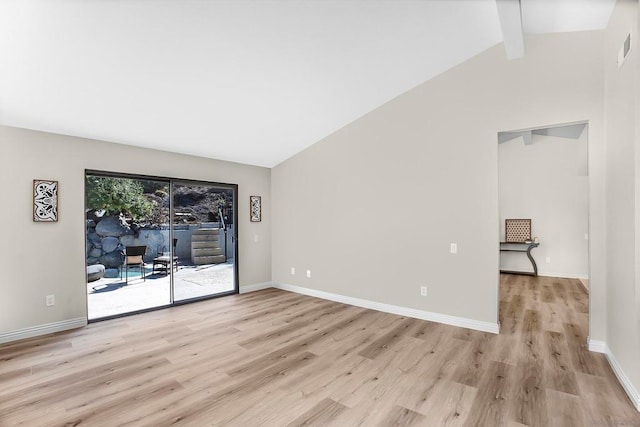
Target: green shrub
[117,196]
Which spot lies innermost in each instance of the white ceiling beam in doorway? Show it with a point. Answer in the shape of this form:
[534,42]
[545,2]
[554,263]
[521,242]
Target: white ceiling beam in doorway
[526,136]
[566,131]
[569,131]
[510,14]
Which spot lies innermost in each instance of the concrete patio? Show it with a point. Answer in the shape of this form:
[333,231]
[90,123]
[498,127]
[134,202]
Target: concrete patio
[108,297]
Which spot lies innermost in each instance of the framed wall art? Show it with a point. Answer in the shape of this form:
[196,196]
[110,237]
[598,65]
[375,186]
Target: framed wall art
[45,200]
[255,205]
[517,230]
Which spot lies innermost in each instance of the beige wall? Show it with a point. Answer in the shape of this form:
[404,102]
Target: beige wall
[637,39]
[372,209]
[623,192]
[38,259]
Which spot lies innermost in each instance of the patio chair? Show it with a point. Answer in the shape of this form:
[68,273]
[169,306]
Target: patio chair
[134,257]
[166,262]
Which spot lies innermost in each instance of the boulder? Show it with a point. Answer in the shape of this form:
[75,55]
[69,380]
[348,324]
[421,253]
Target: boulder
[91,261]
[111,273]
[94,238]
[113,226]
[153,240]
[129,241]
[112,259]
[110,244]
[95,253]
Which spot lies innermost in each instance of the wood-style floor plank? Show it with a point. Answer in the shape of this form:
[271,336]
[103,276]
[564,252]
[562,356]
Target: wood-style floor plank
[275,358]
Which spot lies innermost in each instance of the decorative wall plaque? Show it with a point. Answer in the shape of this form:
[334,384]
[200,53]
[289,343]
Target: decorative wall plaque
[255,203]
[517,230]
[45,200]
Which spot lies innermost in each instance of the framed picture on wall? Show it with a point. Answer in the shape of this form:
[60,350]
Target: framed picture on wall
[517,230]
[255,206]
[45,200]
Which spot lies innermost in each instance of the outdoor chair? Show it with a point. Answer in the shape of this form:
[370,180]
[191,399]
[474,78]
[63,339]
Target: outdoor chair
[134,257]
[166,262]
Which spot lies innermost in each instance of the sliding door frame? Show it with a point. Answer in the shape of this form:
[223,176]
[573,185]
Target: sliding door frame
[236,284]
[170,181]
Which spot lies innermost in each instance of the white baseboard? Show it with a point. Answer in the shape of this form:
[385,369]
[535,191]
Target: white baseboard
[394,309]
[624,379]
[563,275]
[632,392]
[597,346]
[255,287]
[49,328]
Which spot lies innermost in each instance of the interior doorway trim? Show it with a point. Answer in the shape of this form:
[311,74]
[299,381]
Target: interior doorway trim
[589,199]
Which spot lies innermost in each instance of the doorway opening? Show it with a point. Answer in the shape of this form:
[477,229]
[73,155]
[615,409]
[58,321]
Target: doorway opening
[154,242]
[544,181]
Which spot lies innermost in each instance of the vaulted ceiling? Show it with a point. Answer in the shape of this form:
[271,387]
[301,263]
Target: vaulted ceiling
[247,81]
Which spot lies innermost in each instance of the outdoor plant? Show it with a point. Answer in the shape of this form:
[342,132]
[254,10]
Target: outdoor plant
[117,196]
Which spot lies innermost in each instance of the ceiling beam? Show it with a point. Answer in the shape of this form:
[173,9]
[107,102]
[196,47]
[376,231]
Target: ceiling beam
[510,14]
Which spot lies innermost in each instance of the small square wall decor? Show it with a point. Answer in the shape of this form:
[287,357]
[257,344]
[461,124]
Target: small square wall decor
[255,203]
[45,200]
[517,230]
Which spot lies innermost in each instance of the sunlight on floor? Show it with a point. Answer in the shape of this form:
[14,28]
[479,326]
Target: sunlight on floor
[108,297]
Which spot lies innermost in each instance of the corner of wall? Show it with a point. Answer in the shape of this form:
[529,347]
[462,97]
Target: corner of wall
[625,381]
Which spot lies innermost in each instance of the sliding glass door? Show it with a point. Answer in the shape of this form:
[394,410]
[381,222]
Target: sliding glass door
[126,225]
[155,242]
[204,228]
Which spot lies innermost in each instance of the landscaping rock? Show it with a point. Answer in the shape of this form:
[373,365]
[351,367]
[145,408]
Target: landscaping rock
[111,273]
[153,240]
[92,261]
[94,238]
[112,226]
[112,259]
[129,241]
[91,223]
[95,252]
[110,244]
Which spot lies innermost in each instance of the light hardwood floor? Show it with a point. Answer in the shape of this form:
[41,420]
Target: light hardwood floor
[277,358]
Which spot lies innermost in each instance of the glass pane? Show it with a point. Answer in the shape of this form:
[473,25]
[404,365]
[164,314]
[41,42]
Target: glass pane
[205,245]
[127,226]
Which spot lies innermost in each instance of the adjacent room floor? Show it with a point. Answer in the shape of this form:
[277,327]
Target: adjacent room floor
[276,358]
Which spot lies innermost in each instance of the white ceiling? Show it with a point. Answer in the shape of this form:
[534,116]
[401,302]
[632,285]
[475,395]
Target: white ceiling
[248,81]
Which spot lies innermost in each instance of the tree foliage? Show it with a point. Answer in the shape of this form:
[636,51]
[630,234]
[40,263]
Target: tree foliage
[117,196]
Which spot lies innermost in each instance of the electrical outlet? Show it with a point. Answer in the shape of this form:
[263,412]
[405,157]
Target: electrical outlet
[309,273]
[423,291]
[586,236]
[293,271]
[548,260]
[454,248]
[256,238]
[50,300]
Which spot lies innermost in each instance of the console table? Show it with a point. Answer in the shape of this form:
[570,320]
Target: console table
[520,247]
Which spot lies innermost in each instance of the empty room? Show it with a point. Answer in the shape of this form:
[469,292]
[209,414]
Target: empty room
[320,212]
